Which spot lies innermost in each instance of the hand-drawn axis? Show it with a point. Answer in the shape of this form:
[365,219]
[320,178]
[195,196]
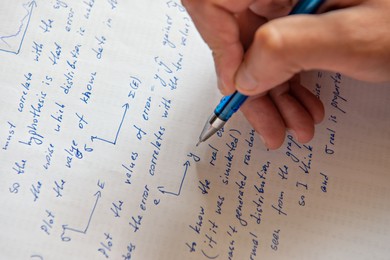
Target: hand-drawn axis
[65,227]
[161,188]
[93,138]
[20,33]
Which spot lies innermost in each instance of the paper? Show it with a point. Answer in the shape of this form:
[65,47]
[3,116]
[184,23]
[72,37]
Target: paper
[102,103]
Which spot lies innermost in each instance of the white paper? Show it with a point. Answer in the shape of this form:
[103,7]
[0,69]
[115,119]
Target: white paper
[102,103]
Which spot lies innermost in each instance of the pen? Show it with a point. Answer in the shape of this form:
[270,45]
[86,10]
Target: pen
[230,104]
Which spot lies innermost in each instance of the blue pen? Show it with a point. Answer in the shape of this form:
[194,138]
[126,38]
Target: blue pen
[230,104]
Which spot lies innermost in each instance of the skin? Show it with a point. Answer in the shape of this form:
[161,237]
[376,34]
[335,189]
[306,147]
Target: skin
[259,51]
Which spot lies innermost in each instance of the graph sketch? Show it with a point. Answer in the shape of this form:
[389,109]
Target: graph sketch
[13,31]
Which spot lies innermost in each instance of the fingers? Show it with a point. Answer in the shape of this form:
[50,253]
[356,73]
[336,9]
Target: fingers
[308,100]
[299,109]
[335,41]
[289,106]
[217,24]
[265,118]
[228,26]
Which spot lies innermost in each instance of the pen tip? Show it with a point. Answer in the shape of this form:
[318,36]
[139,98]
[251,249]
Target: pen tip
[198,143]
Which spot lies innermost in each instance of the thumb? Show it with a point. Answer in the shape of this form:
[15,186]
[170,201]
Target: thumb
[283,47]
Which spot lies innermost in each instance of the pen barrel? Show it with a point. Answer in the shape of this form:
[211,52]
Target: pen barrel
[306,7]
[229,105]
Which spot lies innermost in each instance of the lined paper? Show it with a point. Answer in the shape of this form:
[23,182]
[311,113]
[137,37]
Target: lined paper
[102,104]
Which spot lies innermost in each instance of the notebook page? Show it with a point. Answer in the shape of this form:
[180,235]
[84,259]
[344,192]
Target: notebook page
[102,104]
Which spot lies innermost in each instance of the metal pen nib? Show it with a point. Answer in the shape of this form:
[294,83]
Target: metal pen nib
[213,124]
[225,109]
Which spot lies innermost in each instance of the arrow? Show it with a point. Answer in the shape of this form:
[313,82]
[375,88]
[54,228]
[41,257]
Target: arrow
[33,4]
[65,227]
[93,138]
[161,188]
[20,32]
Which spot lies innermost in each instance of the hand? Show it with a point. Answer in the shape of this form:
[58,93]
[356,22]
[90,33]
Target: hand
[257,50]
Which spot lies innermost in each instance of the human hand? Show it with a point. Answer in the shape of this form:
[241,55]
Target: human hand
[259,55]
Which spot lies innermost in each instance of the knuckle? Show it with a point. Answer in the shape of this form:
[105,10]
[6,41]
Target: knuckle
[270,41]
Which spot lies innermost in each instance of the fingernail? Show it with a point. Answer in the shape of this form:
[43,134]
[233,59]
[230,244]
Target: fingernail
[292,133]
[245,81]
[263,140]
